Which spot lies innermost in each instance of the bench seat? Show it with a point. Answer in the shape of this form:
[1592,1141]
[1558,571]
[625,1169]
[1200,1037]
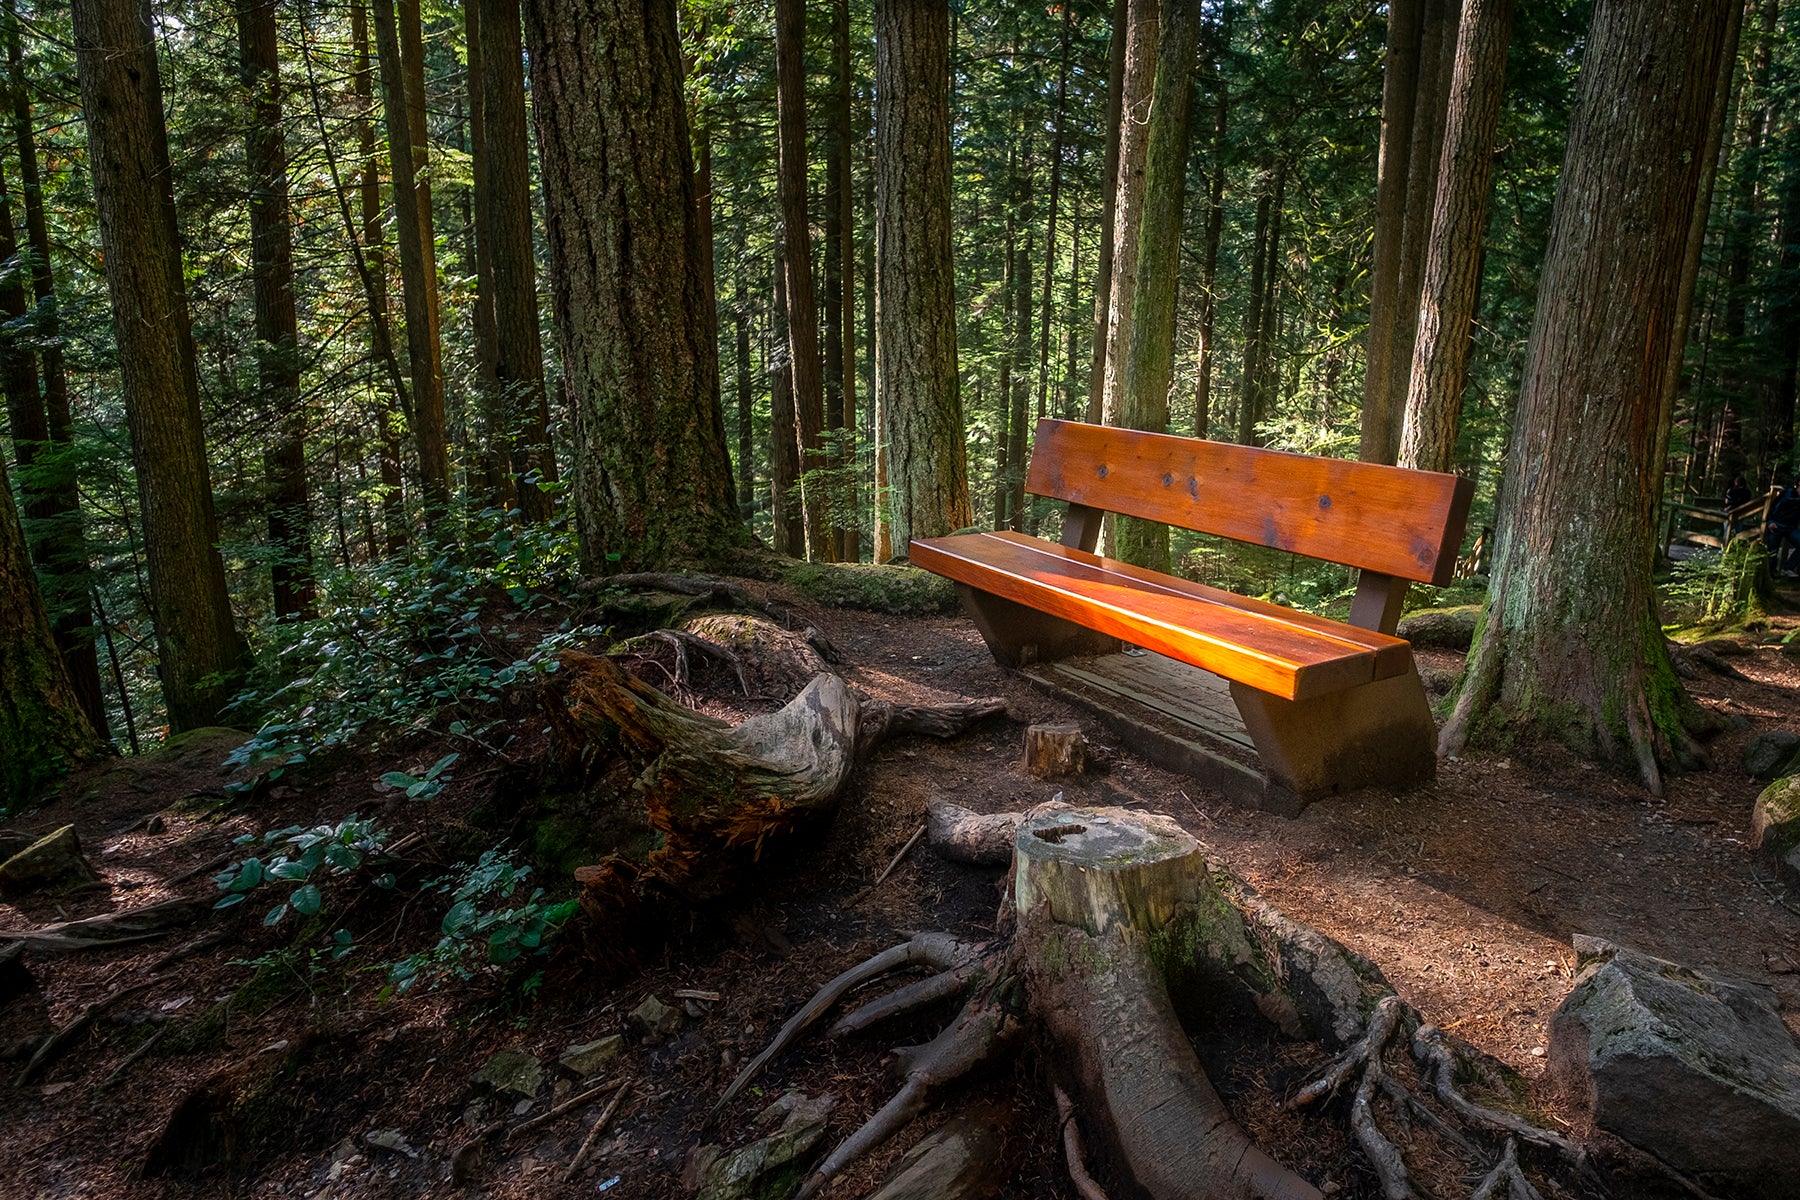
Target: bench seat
[1274,649]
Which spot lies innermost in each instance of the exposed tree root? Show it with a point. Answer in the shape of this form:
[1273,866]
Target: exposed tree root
[682,640]
[911,998]
[1364,1060]
[985,1025]
[1073,1154]
[939,951]
[1506,1179]
[962,835]
[1438,1060]
[113,928]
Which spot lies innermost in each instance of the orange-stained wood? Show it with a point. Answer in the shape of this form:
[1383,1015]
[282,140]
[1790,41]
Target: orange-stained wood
[1274,649]
[1385,519]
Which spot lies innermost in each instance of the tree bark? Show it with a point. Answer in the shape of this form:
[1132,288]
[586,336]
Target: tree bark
[43,730]
[1109,195]
[1250,384]
[785,509]
[1452,281]
[54,496]
[915,353]
[840,276]
[652,478]
[1128,205]
[746,413]
[400,48]
[277,327]
[1150,357]
[489,440]
[519,347]
[128,152]
[1215,223]
[1057,144]
[1571,646]
[1399,85]
[802,306]
[1018,398]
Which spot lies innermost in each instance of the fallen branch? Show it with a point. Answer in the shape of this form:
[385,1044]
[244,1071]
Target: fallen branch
[565,1106]
[887,870]
[111,929]
[593,1136]
[53,1046]
[963,835]
[118,1072]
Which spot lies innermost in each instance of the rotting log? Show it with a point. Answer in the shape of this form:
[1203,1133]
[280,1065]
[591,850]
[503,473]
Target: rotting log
[963,835]
[714,794]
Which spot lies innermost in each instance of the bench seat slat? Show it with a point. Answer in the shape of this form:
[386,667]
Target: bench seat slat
[1271,648]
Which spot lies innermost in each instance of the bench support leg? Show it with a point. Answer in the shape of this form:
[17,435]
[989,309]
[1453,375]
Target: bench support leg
[1020,636]
[1379,734]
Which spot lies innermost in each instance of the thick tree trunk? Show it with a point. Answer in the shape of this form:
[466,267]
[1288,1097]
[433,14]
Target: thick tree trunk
[1021,385]
[1128,204]
[802,306]
[1399,87]
[519,361]
[840,291]
[490,439]
[1250,384]
[62,553]
[1150,358]
[1785,324]
[128,153]
[746,412]
[43,730]
[1571,645]
[399,49]
[1453,263]
[785,509]
[1215,224]
[1056,156]
[652,479]
[277,327]
[1109,195]
[915,352]
[1003,407]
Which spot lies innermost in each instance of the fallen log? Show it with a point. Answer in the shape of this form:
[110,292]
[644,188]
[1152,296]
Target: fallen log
[119,928]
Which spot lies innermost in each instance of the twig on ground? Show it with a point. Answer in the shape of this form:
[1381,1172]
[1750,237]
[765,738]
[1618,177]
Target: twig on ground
[1773,895]
[889,869]
[118,1072]
[565,1106]
[593,1136]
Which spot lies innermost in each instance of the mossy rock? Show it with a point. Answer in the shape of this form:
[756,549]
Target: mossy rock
[901,591]
[1441,628]
[1775,824]
[48,866]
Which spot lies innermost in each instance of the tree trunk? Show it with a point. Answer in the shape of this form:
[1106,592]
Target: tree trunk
[1571,645]
[1253,316]
[1021,385]
[1003,409]
[1128,206]
[201,656]
[491,444]
[400,50]
[802,308]
[43,730]
[746,413]
[1109,195]
[1437,55]
[840,272]
[785,508]
[1399,85]
[1150,362]
[50,487]
[915,355]
[1215,224]
[1056,156]
[1785,323]
[277,327]
[652,478]
[519,347]
[1452,281]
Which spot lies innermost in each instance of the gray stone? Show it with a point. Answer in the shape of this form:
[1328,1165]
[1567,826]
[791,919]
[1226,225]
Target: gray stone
[770,1167]
[1770,755]
[1775,825]
[655,1020]
[1696,1068]
[512,1071]
[1441,628]
[960,1161]
[590,1058]
[49,865]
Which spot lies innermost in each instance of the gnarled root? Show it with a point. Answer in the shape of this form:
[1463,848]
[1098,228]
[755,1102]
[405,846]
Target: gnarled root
[1073,1154]
[910,998]
[939,951]
[963,835]
[1438,1061]
[1506,1180]
[1104,1001]
[1365,1057]
[985,1025]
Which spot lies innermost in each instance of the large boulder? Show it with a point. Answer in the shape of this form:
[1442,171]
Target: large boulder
[1441,628]
[1771,755]
[49,865]
[1775,825]
[1695,1068]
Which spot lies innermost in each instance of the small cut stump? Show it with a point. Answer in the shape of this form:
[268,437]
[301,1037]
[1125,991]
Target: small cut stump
[1055,751]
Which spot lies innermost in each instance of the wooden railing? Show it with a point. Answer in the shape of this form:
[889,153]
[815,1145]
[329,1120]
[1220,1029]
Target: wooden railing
[1707,523]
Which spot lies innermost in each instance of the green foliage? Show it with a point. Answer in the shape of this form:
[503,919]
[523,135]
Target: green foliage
[1715,588]
[481,930]
[422,787]
[303,856]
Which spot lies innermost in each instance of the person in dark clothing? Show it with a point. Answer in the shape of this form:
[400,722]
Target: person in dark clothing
[1738,493]
[1782,533]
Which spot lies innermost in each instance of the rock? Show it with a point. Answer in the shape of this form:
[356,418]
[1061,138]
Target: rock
[1441,628]
[654,1019]
[960,1161]
[1775,825]
[590,1058]
[390,1139]
[1770,755]
[511,1071]
[49,865]
[770,1167]
[1695,1068]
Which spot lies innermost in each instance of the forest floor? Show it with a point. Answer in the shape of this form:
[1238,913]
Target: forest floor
[1466,893]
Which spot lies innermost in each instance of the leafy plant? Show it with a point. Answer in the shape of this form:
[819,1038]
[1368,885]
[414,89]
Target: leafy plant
[423,787]
[301,857]
[481,929]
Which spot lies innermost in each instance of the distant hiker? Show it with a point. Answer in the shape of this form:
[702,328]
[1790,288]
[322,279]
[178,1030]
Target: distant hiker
[1737,494]
[1782,533]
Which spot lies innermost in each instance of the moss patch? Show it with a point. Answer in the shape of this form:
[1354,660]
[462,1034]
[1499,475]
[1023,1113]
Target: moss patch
[902,591]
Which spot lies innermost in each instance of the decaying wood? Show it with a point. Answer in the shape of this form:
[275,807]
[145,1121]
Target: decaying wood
[776,661]
[1055,751]
[52,1047]
[715,793]
[112,929]
[962,835]
[704,588]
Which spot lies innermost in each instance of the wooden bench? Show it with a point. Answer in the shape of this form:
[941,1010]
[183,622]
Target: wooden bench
[1328,705]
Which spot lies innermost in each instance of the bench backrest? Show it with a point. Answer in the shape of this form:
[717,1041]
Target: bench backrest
[1407,524]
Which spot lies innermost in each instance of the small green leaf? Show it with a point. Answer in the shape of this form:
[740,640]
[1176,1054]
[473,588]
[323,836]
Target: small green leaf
[275,914]
[306,900]
[228,901]
[461,914]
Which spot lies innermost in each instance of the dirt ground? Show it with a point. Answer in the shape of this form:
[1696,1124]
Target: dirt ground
[1466,893]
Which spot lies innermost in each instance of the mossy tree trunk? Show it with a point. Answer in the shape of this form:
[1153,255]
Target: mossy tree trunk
[1137,96]
[1399,85]
[201,655]
[652,478]
[1570,645]
[42,727]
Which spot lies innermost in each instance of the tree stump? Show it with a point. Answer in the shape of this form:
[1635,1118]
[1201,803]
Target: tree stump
[1055,751]
[1101,869]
